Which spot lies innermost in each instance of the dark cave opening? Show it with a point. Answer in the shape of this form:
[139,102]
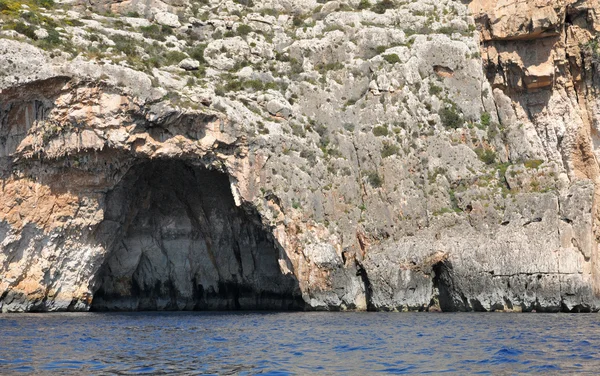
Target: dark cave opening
[449,297]
[177,241]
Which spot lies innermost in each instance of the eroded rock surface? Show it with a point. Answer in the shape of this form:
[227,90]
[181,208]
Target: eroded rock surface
[297,155]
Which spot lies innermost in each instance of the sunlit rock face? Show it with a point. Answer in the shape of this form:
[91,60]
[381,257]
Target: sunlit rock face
[424,155]
[178,242]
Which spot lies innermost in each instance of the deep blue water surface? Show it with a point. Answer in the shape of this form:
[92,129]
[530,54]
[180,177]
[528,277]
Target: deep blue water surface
[299,343]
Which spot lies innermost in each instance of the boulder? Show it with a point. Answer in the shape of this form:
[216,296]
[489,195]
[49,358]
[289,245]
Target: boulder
[189,64]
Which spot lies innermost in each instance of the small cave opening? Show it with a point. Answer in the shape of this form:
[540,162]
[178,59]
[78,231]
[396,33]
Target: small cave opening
[450,299]
[177,241]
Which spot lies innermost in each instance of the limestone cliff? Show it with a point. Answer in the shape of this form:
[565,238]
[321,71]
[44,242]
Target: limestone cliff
[299,155]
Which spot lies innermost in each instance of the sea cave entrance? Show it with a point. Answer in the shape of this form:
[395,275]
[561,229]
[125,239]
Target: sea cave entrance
[177,241]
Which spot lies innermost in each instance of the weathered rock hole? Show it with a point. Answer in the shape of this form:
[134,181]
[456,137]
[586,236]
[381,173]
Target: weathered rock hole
[443,71]
[177,241]
[534,220]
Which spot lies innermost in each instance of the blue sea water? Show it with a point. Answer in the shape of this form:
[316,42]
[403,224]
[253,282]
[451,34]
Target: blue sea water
[299,343]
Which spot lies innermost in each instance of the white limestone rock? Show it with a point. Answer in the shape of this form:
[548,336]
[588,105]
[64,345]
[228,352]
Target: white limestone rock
[166,19]
[189,64]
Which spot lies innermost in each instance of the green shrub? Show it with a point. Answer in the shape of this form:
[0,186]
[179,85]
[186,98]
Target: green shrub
[494,130]
[502,167]
[298,130]
[14,6]
[380,49]
[391,58]
[243,30]
[330,28]
[220,91]
[51,41]
[298,20]
[448,30]
[363,4]
[533,163]
[488,156]
[156,32]
[282,57]
[197,52]
[296,204]
[593,47]
[26,30]
[382,6]
[443,211]
[44,3]
[324,68]
[233,85]
[454,201]
[269,11]
[247,3]
[389,149]
[239,65]
[174,57]
[380,131]
[308,155]
[271,85]
[374,179]
[124,44]
[349,127]
[296,66]
[350,102]
[450,117]
[434,89]
[256,85]
[486,119]
[9,6]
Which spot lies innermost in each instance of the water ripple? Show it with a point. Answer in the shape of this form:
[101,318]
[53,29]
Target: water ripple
[299,343]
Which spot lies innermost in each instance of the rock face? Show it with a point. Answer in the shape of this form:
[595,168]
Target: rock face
[429,156]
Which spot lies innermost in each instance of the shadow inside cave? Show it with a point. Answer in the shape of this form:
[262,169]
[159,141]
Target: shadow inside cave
[177,241]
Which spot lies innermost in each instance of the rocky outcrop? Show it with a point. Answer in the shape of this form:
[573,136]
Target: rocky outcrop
[541,59]
[234,155]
